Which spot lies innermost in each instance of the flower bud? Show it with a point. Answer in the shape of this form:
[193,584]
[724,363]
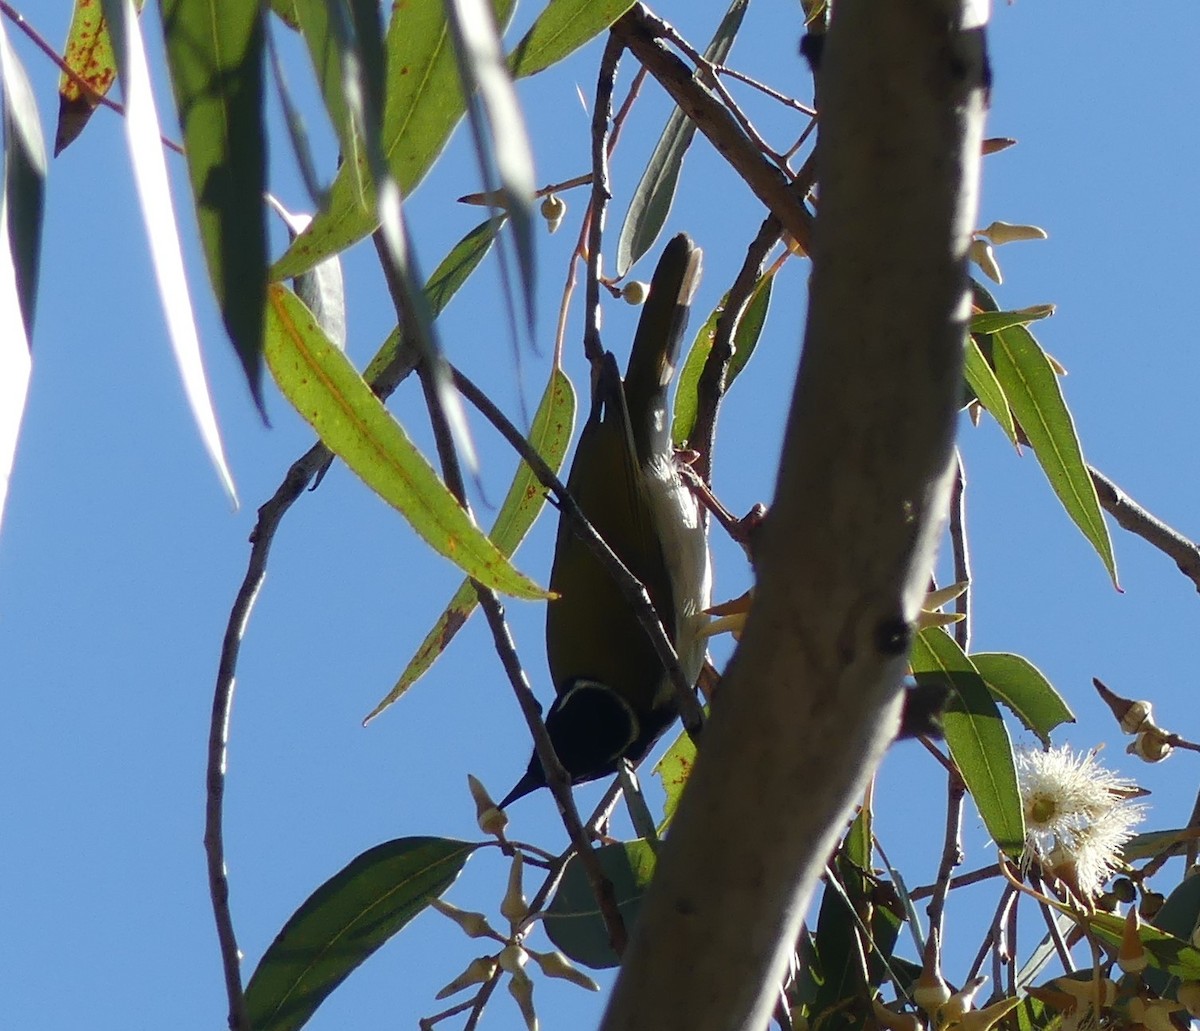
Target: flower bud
[635,291]
[1136,715]
[893,1021]
[474,924]
[982,254]
[513,906]
[555,964]
[1151,902]
[952,1011]
[491,820]
[1006,232]
[995,144]
[521,989]
[1131,957]
[553,209]
[1152,744]
[478,971]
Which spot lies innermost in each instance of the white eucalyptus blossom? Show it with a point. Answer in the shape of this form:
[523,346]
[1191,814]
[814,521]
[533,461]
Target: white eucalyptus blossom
[1077,815]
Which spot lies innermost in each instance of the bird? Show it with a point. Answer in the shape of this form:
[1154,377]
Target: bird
[613,699]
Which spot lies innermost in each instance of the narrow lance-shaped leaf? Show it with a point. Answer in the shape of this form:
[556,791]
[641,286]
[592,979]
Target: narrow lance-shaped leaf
[655,191]
[353,423]
[1033,392]
[550,435]
[344,921]
[20,246]
[158,215]
[422,104]
[981,379]
[215,55]
[975,733]
[745,339]
[561,29]
[454,270]
[498,129]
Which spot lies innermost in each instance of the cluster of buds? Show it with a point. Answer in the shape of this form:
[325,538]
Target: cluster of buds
[981,252]
[1151,743]
[513,954]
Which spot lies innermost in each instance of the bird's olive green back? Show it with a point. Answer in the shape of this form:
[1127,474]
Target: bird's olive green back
[591,631]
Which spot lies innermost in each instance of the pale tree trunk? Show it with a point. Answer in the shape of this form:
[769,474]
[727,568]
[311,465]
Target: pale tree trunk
[812,697]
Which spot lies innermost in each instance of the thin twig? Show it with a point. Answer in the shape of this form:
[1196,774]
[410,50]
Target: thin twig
[711,386]
[601,195]
[962,554]
[639,30]
[952,853]
[481,1000]
[762,87]
[269,516]
[984,873]
[1130,515]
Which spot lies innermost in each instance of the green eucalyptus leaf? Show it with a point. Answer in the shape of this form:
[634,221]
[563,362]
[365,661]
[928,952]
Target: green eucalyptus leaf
[344,921]
[353,423]
[655,192]
[745,340]
[981,379]
[976,736]
[994,321]
[550,435]
[573,920]
[215,56]
[1020,685]
[1033,392]
[561,29]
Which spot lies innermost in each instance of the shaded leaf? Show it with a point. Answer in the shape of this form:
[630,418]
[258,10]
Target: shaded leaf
[215,56]
[423,103]
[573,920]
[498,129]
[1155,843]
[550,435]
[344,921]
[1020,685]
[981,379]
[158,215]
[745,340]
[353,423]
[976,735]
[23,197]
[1036,399]
[655,191]
[994,321]
[561,28]
[88,53]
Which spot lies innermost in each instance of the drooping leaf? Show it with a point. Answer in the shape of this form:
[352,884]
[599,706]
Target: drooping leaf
[215,56]
[573,920]
[22,198]
[353,423]
[975,734]
[745,339]
[981,379]
[550,435]
[158,215]
[88,53]
[344,921]
[655,192]
[1033,392]
[498,128]
[561,29]
[21,202]
[1020,685]
[423,103]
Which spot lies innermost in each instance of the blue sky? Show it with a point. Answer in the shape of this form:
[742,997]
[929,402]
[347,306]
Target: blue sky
[120,557]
